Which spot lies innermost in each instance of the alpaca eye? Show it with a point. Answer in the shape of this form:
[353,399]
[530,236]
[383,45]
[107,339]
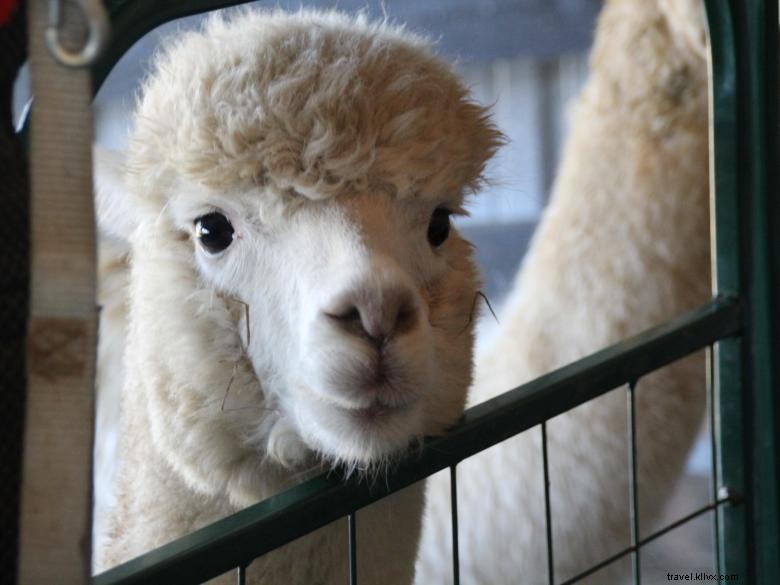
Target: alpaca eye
[439,227]
[214,232]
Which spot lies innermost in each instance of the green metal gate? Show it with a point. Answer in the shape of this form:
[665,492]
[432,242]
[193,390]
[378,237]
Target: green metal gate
[740,326]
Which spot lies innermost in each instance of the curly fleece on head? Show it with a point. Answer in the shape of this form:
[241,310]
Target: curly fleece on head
[316,104]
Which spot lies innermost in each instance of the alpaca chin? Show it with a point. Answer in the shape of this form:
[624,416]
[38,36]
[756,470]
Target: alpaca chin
[360,438]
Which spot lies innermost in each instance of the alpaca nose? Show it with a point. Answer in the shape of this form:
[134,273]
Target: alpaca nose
[375,313]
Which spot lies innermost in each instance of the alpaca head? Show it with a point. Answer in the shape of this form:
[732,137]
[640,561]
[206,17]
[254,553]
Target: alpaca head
[291,182]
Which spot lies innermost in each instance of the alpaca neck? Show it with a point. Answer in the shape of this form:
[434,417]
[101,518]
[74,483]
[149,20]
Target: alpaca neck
[630,202]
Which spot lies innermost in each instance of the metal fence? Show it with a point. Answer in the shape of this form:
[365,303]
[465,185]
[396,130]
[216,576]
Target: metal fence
[739,328]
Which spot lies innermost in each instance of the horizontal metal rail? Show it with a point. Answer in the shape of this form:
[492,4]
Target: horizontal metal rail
[130,21]
[237,540]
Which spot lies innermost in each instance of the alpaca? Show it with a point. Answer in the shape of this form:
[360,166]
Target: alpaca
[297,296]
[623,245]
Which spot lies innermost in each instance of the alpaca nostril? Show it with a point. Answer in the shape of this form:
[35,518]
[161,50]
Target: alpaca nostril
[348,315]
[347,319]
[406,316]
[376,317]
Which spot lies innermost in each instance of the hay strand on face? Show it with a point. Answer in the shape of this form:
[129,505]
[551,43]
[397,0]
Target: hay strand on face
[477,295]
[246,318]
[229,384]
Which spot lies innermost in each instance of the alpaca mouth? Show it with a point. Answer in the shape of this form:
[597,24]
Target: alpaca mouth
[376,411]
[363,431]
[380,412]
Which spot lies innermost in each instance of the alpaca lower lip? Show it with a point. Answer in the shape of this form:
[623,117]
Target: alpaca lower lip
[376,411]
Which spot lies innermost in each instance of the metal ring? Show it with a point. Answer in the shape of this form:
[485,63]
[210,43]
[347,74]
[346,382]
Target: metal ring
[97,20]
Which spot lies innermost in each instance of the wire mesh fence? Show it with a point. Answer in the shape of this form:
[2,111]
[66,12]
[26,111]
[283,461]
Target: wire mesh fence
[637,543]
[237,540]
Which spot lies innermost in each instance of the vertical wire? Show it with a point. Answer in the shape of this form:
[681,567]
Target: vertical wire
[633,496]
[454,505]
[713,454]
[241,575]
[547,508]
[352,532]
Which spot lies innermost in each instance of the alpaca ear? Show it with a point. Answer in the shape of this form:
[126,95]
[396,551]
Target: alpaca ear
[116,216]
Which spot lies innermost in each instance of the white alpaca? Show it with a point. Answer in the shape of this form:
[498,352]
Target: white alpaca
[623,245]
[299,170]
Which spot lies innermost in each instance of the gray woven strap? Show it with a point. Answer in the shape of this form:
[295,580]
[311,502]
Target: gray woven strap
[56,488]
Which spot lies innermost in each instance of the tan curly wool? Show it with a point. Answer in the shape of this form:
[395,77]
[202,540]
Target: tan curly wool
[310,103]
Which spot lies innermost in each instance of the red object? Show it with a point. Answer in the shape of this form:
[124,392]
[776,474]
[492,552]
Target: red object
[6,9]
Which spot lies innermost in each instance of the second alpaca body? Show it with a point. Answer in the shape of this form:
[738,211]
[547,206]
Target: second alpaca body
[623,246]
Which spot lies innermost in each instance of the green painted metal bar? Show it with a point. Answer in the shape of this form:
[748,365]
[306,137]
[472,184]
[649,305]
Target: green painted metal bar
[548,528]
[132,19]
[240,538]
[352,536]
[758,113]
[633,491]
[714,454]
[454,514]
[744,114]
[724,206]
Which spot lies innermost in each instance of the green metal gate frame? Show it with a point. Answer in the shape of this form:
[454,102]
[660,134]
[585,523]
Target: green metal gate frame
[741,325]
[744,104]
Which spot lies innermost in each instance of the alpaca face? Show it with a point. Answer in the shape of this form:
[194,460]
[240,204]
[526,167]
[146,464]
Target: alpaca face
[299,170]
[359,310]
